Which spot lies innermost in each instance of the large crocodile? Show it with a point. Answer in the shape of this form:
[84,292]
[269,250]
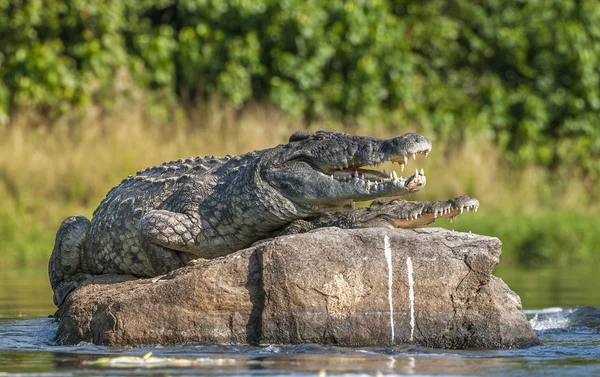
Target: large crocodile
[166,216]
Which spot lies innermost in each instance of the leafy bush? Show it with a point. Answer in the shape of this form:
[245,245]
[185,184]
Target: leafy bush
[525,72]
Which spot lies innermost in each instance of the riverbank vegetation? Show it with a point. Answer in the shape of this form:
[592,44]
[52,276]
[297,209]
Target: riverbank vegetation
[508,91]
[49,173]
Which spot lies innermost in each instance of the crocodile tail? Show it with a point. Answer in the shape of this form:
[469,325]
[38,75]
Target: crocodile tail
[66,259]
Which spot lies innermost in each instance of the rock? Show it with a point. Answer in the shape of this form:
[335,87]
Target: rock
[329,286]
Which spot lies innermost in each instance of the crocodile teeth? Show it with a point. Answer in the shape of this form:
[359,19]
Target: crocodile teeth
[426,154]
[461,209]
[416,173]
[405,160]
[414,156]
[422,171]
[393,175]
[401,167]
[355,174]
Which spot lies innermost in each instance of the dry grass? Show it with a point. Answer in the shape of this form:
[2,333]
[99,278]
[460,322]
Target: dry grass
[48,173]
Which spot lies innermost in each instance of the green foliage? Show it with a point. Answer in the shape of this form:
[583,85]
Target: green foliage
[54,53]
[525,72]
[549,237]
[24,243]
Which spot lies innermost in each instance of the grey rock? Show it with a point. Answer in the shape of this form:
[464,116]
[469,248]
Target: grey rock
[328,286]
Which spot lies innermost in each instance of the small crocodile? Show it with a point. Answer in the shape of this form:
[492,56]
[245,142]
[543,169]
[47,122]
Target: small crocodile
[166,216]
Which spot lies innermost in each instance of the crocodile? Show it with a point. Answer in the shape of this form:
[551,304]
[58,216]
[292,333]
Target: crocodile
[170,215]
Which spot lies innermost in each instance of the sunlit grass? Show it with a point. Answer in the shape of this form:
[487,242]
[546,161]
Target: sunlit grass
[49,173]
[548,236]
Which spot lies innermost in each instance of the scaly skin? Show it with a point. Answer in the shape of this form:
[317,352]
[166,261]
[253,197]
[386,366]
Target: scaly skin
[168,215]
[391,214]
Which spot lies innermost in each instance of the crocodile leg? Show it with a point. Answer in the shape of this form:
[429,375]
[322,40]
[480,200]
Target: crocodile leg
[66,260]
[166,237]
[395,213]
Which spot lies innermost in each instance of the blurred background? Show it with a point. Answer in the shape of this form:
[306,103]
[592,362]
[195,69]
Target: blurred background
[509,93]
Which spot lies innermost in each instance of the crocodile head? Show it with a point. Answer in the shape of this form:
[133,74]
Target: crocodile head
[333,169]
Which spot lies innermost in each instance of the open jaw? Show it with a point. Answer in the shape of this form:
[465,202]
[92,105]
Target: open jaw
[418,214]
[373,177]
[331,170]
[369,180]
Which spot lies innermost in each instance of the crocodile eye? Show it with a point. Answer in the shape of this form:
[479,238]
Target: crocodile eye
[322,135]
[299,136]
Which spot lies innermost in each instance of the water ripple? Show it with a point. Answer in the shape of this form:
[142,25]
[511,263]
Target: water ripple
[33,334]
[571,343]
[569,319]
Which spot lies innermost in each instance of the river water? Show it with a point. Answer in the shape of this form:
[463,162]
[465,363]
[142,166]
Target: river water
[561,304]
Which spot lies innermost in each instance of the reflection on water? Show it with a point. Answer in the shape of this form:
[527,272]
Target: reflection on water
[571,340]
[553,286]
[25,293]
[26,346]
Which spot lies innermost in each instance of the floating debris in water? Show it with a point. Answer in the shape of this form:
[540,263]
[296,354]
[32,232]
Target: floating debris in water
[149,361]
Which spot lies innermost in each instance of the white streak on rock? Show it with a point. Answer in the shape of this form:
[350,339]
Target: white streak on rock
[388,257]
[411,295]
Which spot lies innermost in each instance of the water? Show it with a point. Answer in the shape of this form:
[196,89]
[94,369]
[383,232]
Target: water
[570,336]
